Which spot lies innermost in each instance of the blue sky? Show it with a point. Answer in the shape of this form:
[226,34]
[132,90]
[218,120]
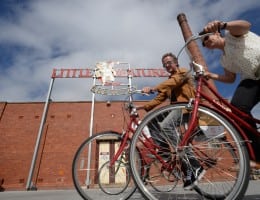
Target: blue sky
[37,36]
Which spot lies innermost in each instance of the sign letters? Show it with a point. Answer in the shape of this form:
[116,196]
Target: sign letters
[89,73]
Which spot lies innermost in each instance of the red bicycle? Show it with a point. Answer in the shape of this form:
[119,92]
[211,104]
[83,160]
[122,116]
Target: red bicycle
[205,133]
[94,171]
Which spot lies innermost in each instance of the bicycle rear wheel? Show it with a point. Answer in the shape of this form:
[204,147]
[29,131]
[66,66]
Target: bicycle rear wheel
[95,152]
[120,171]
[220,148]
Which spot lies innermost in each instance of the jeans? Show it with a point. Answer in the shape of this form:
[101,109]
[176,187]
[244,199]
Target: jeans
[169,125]
[246,96]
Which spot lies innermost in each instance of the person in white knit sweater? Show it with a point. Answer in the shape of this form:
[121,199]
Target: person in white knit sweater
[241,55]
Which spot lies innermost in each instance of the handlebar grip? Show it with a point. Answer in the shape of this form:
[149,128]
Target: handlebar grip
[205,32]
[219,29]
[202,32]
[150,92]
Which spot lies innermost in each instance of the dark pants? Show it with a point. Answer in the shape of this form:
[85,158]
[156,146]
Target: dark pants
[246,96]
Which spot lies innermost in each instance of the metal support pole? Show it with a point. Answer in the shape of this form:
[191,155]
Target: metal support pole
[29,184]
[88,182]
[129,76]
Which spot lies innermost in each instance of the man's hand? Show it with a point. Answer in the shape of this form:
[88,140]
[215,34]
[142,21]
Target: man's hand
[148,90]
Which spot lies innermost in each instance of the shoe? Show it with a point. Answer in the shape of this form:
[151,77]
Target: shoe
[193,178]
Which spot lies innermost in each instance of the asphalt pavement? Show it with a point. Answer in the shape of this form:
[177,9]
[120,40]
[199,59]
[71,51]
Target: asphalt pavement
[253,193]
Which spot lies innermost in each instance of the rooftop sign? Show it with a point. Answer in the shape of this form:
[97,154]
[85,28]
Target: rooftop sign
[89,73]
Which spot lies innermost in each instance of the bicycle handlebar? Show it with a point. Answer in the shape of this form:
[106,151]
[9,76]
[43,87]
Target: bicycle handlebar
[140,92]
[193,38]
[220,27]
[202,32]
[197,67]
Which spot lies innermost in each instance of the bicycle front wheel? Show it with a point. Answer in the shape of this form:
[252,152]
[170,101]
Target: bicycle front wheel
[215,146]
[91,170]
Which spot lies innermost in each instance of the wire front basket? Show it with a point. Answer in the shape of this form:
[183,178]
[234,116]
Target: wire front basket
[112,91]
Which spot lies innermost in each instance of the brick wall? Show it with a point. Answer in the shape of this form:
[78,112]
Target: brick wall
[18,130]
[67,125]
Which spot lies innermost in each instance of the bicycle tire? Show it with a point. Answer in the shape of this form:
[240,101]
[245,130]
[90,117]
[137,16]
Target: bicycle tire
[225,154]
[85,176]
[119,166]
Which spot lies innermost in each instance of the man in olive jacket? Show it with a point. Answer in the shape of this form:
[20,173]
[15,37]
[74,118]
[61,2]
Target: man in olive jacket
[178,87]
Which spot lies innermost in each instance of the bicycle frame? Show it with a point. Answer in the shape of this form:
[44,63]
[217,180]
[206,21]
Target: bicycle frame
[220,105]
[126,136]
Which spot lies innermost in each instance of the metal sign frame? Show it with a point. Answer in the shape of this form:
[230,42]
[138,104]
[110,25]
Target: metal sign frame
[84,73]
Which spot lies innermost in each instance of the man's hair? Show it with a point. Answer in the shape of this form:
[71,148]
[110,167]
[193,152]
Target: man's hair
[171,55]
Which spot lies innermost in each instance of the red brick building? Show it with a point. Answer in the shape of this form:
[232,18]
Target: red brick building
[67,125]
